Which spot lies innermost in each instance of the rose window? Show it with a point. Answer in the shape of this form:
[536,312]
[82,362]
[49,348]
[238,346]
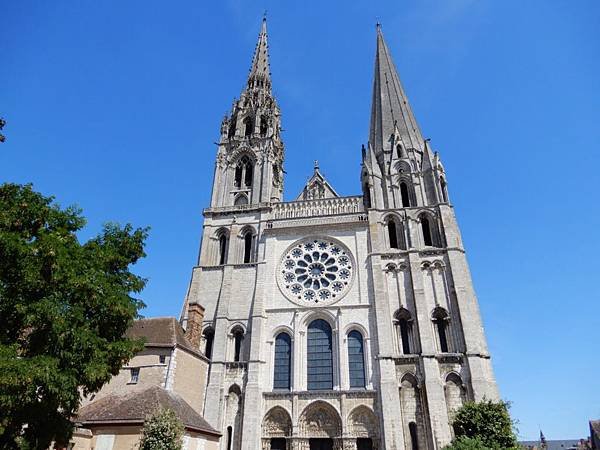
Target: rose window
[316,271]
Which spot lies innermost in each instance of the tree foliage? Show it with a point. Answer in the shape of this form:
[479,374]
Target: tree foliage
[162,431]
[65,307]
[483,425]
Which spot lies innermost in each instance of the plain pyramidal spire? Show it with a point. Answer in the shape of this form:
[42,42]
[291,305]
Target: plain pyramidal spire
[391,113]
[260,75]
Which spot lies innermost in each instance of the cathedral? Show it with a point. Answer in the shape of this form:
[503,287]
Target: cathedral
[334,322]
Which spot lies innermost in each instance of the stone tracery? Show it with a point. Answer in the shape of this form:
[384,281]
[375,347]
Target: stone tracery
[316,270]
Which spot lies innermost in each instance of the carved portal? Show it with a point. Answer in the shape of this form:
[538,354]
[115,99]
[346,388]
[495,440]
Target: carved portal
[362,423]
[320,419]
[277,423]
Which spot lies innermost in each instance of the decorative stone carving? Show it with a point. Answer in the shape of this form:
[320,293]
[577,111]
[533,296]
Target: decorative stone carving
[320,420]
[362,422]
[316,270]
[277,423]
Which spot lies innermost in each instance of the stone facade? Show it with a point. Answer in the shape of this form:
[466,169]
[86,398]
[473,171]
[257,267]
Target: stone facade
[383,275]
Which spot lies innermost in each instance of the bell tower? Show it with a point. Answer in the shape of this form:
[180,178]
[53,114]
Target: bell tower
[249,161]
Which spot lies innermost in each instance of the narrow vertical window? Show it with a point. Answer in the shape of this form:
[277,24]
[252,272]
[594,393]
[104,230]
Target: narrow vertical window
[444,190]
[404,195]
[249,127]
[264,125]
[238,339]
[238,177]
[209,338]
[283,360]
[414,437]
[248,247]
[441,329]
[405,336]
[356,360]
[320,356]
[222,249]
[392,233]
[248,174]
[426,231]
[229,437]
[440,322]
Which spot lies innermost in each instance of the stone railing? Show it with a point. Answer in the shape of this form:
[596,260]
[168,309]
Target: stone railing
[319,207]
[236,208]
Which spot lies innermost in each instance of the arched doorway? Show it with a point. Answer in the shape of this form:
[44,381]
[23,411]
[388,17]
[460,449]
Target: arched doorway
[320,427]
[276,429]
[363,426]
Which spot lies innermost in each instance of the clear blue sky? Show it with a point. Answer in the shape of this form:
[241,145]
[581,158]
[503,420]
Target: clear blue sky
[115,106]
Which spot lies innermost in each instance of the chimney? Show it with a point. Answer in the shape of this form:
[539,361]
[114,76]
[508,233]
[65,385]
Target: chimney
[193,331]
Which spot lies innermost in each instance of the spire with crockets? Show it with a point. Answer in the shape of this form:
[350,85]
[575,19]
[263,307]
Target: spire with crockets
[399,168]
[260,75]
[250,157]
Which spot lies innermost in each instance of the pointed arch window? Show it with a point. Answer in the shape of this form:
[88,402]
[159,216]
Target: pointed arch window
[320,355]
[248,127]
[244,171]
[399,151]
[440,322]
[356,359]
[405,195]
[404,329]
[222,251]
[241,200]
[232,127]
[426,229]
[264,125]
[444,190]
[283,362]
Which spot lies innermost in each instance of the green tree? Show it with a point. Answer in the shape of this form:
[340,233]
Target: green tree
[65,307]
[483,425]
[162,431]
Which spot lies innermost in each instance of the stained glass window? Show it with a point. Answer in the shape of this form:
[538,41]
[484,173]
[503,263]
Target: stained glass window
[356,360]
[283,359]
[320,356]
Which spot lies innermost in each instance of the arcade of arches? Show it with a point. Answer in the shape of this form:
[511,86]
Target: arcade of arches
[320,428]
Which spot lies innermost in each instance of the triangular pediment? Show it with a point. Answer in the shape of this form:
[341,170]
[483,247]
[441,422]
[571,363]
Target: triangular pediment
[317,187]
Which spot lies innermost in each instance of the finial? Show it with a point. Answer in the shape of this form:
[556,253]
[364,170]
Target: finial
[316,165]
[265,16]
[378,24]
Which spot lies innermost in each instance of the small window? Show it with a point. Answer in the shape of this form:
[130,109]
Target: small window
[135,375]
[440,322]
[162,359]
[240,200]
[209,337]
[248,247]
[264,125]
[229,437]
[444,190]
[222,249]
[238,339]
[405,195]
[404,324]
[248,127]
[392,234]
[399,151]
[425,226]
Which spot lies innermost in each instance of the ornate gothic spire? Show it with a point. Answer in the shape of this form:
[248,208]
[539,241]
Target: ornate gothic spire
[260,75]
[390,111]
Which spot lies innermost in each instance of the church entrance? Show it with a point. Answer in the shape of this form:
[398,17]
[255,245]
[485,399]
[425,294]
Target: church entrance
[321,444]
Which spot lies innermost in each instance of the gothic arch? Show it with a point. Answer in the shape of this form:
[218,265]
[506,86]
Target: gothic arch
[455,393]
[320,419]
[363,423]
[240,200]
[277,423]
[429,229]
